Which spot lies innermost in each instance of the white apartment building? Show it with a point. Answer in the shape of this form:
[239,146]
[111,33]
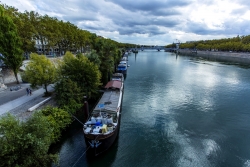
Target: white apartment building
[45,50]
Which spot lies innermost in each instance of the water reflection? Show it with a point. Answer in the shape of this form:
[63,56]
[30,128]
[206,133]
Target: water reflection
[211,148]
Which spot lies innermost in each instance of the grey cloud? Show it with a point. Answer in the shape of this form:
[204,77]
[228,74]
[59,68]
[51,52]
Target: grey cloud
[153,5]
[201,29]
[82,10]
[242,2]
[92,28]
[230,27]
[147,21]
[84,17]
[240,11]
[133,19]
[236,27]
[150,30]
[164,12]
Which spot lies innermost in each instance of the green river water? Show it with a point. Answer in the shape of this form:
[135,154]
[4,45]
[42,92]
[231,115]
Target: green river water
[177,111]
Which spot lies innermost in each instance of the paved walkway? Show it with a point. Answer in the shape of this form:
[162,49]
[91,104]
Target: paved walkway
[19,96]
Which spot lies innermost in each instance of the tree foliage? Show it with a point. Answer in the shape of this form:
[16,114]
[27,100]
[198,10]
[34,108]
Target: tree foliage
[10,43]
[40,71]
[236,44]
[58,118]
[81,71]
[25,143]
[68,95]
[93,57]
[106,49]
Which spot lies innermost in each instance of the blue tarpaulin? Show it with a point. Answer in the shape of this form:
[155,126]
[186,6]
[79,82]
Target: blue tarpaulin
[101,106]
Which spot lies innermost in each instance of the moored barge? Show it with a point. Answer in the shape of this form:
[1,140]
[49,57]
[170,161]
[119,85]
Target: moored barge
[103,124]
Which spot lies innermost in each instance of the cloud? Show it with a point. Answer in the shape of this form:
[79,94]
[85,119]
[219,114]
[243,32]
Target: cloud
[146,5]
[149,30]
[240,11]
[201,29]
[164,12]
[145,21]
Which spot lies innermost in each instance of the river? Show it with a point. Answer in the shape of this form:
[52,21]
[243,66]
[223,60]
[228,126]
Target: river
[177,111]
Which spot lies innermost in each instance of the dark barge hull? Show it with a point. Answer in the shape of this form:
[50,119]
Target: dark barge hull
[105,141]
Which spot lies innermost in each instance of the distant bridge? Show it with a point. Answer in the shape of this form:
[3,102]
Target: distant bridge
[149,48]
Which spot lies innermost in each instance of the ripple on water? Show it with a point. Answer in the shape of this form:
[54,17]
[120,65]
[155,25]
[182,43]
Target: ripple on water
[185,153]
[247,163]
[211,147]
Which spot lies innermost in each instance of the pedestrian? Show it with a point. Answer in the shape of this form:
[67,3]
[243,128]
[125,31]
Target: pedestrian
[28,91]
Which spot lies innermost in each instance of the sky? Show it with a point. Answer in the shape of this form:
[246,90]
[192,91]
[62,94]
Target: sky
[148,22]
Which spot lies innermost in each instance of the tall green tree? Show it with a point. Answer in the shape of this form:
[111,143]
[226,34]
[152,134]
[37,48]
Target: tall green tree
[26,31]
[68,36]
[69,95]
[93,57]
[10,43]
[40,71]
[107,51]
[50,32]
[81,71]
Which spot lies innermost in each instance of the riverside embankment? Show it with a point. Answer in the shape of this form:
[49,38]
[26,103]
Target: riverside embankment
[234,57]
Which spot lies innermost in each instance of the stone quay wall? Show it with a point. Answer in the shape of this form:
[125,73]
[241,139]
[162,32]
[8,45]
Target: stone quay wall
[9,77]
[234,57]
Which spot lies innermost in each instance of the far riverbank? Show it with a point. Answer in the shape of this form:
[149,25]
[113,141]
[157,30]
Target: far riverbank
[235,57]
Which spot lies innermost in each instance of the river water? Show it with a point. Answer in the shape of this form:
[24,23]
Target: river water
[177,111]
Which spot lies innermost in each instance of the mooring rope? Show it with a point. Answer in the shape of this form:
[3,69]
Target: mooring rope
[81,157]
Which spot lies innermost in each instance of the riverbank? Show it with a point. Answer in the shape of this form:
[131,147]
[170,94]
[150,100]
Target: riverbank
[235,57]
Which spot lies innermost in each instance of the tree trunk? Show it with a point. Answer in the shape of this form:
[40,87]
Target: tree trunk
[46,89]
[15,73]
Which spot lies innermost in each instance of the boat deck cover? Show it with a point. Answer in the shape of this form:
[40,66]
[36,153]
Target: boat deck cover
[109,101]
[114,84]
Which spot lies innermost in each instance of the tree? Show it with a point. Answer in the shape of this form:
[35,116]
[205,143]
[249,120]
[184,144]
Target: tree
[10,44]
[106,50]
[58,119]
[50,32]
[25,29]
[68,33]
[81,71]
[83,40]
[40,71]
[26,143]
[93,57]
[68,95]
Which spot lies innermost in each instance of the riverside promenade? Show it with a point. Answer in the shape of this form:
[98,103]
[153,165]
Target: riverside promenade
[11,100]
[234,57]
